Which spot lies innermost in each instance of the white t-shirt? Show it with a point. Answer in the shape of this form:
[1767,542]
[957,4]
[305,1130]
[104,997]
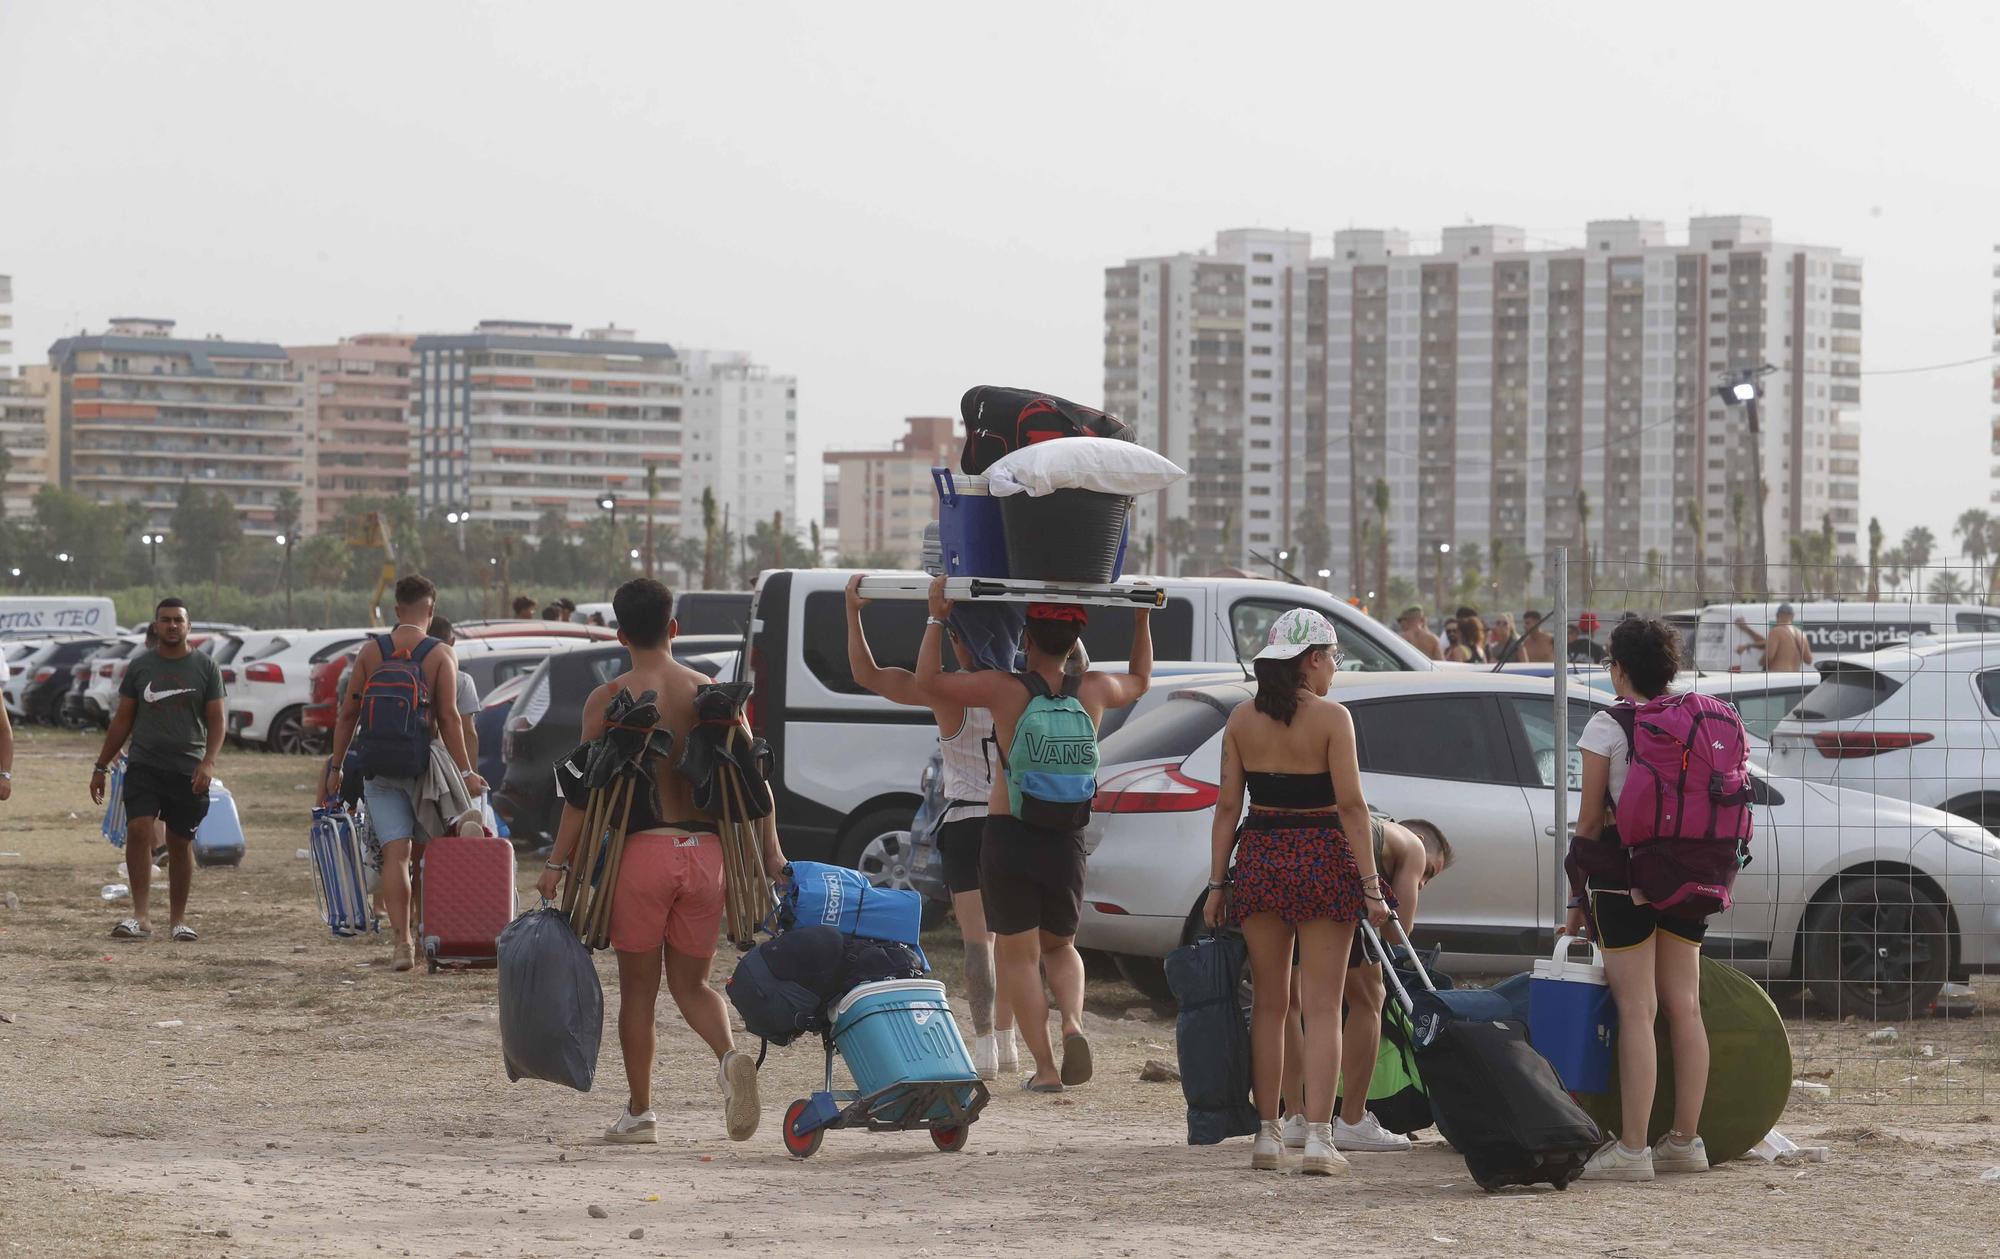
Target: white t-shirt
[468,695]
[1603,735]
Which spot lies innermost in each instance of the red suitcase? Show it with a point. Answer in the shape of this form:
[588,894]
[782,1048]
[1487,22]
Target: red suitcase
[468,899]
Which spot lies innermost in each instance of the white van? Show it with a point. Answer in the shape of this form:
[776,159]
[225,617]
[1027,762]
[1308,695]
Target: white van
[45,616]
[849,761]
[1724,642]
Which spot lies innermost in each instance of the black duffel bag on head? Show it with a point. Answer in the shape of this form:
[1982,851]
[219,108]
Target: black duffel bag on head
[1000,420]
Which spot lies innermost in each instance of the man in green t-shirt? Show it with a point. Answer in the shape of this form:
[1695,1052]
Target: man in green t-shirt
[170,705]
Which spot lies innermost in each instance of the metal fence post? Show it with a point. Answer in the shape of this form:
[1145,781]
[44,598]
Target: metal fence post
[1559,632]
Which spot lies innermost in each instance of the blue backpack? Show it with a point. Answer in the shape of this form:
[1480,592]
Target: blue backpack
[1052,766]
[393,733]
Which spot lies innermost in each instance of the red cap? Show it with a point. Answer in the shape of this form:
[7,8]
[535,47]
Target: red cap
[1058,612]
[1587,622]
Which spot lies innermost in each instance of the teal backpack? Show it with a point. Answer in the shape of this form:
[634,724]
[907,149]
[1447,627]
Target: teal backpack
[1052,765]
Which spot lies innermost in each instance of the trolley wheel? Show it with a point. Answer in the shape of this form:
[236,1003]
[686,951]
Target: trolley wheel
[950,1140]
[796,1144]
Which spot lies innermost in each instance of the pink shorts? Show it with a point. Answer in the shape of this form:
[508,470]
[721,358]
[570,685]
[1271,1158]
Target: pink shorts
[669,891]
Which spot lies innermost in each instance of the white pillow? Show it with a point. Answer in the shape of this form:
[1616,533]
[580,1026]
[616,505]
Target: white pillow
[1103,464]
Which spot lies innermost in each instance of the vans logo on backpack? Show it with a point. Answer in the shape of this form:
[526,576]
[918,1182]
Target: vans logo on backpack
[1061,749]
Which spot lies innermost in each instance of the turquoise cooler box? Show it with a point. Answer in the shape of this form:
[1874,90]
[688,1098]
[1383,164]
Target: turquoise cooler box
[900,1031]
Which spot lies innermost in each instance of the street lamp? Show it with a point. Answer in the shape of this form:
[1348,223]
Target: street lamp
[151,541]
[1444,549]
[1743,390]
[610,504]
[1326,579]
[285,540]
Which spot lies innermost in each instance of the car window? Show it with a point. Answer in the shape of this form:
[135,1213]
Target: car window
[1989,690]
[1846,691]
[608,666]
[1535,718]
[333,649]
[1250,623]
[1109,634]
[1173,729]
[1762,711]
[262,651]
[1978,622]
[710,612]
[1431,736]
[895,629]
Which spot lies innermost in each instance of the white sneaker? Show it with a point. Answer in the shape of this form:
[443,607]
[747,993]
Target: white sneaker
[633,1129]
[1321,1158]
[1009,1058]
[1670,1155]
[986,1055]
[1268,1148]
[741,1110]
[1367,1136]
[1294,1127]
[1614,1162]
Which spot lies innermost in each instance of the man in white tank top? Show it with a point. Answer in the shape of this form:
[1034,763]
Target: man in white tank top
[970,754]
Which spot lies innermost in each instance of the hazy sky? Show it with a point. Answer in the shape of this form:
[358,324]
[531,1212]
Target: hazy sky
[898,201]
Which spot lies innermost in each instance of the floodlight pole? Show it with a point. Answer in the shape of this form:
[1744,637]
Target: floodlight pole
[1743,388]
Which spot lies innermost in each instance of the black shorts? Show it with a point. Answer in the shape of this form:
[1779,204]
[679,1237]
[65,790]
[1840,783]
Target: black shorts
[1030,878]
[1620,923]
[958,846]
[166,794]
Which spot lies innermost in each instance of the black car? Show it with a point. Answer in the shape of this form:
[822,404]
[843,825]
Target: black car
[78,709]
[54,677]
[545,722]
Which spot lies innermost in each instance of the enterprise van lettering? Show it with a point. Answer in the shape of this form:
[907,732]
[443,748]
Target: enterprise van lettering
[1063,750]
[1868,637]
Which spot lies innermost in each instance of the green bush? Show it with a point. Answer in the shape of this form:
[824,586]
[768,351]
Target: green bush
[317,608]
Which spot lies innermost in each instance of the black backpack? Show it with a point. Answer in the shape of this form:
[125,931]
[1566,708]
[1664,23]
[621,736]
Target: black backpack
[999,421]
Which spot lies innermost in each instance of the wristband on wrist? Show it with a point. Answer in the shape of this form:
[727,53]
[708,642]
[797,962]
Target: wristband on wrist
[99,769]
[556,865]
[1214,886]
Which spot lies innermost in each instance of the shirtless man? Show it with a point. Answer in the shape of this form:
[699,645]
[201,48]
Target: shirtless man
[1538,646]
[1031,878]
[666,912]
[1411,626]
[1785,649]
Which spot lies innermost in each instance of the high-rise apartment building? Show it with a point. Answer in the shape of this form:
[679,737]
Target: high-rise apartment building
[1218,359]
[6,321]
[878,501]
[514,419]
[1490,390]
[140,411]
[24,435]
[741,438]
[357,400]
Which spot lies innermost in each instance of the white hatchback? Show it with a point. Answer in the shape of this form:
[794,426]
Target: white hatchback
[1873,903]
[268,677]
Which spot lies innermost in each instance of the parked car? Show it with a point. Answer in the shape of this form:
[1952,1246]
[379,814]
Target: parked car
[699,612]
[1919,722]
[1723,641]
[1872,903]
[47,675]
[269,681]
[1761,699]
[849,761]
[81,705]
[491,725]
[486,660]
[519,628]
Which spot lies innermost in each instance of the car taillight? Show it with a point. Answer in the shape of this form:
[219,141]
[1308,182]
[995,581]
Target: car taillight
[1160,788]
[263,673]
[44,673]
[229,675]
[104,671]
[1849,745]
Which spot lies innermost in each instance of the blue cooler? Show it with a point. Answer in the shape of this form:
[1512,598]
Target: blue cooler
[218,840]
[1572,1020]
[969,529]
[900,1031]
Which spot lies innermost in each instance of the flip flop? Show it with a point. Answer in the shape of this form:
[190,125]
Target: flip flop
[184,934]
[131,930]
[1076,1059]
[1029,1086]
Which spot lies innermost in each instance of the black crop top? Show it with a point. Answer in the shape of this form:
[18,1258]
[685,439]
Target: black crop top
[1290,791]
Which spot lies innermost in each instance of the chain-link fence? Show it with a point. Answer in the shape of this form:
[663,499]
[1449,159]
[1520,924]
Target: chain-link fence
[1870,906]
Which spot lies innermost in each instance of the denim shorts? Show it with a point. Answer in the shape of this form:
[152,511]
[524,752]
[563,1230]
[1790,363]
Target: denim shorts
[392,811]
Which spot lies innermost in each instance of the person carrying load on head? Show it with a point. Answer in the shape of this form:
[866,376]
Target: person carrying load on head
[1298,879]
[389,715]
[667,903]
[170,705]
[1031,859]
[968,754]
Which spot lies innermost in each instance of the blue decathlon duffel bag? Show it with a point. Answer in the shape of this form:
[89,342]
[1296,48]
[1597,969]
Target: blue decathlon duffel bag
[820,895]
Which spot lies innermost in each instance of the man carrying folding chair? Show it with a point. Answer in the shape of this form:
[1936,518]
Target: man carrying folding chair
[667,890]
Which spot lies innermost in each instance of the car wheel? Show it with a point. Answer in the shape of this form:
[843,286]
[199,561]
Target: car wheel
[1147,974]
[879,847]
[1985,810]
[287,733]
[1875,947]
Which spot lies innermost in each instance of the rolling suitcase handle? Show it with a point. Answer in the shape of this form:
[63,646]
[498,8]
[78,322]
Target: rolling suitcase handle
[1389,970]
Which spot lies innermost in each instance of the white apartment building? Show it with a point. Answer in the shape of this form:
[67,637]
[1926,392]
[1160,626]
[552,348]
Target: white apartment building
[139,412]
[1486,384]
[515,418]
[740,438]
[6,321]
[1217,359]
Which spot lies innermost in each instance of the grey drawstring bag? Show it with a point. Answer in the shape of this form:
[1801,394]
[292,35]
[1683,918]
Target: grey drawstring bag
[551,1005]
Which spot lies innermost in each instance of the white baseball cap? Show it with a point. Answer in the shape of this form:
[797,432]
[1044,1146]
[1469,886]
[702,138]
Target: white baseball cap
[1297,632]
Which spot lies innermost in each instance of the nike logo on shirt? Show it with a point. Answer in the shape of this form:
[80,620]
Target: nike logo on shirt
[154,697]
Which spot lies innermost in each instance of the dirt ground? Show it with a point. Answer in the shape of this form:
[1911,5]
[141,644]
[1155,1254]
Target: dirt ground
[310,1102]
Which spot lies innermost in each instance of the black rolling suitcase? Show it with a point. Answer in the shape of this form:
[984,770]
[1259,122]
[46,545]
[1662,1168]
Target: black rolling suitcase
[1496,1100]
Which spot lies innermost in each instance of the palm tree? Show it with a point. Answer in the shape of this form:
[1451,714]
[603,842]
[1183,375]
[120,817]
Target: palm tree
[1947,587]
[1696,525]
[1801,569]
[1583,541]
[1973,529]
[1736,548]
[1381,496]
[1918,544]
[1892,568]
[1874,559]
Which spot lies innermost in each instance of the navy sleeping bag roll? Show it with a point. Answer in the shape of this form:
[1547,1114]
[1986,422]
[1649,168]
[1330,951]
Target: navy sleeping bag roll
[1212,1037]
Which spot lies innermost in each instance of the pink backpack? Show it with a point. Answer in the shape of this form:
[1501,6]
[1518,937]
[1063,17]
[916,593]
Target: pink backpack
[1684,814]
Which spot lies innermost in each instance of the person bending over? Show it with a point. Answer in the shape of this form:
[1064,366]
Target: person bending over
[1031,859]
[666,910]
[1298,882]
[967,754]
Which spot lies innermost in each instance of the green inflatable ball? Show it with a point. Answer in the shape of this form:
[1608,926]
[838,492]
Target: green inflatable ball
[1749,1068]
